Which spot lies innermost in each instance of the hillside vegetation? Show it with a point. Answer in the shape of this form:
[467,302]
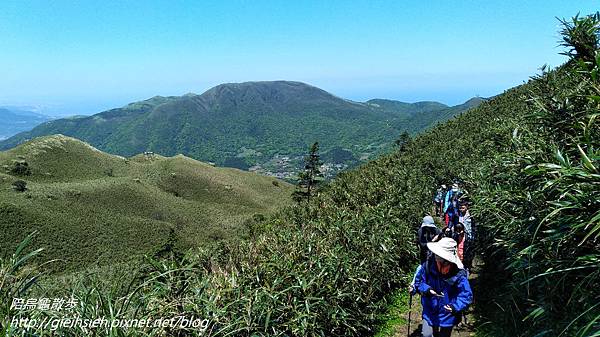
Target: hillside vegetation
[529,159]
[89,207]
[251,124]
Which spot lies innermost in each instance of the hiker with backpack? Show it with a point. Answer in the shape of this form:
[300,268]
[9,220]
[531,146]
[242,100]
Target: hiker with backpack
[426,233]
[453,192]
[466,220]
[451,205]
[458,234]
[453,213]
[445,291]
[438,200]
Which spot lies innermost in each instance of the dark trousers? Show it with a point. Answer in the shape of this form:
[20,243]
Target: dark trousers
[435,331]
[442,332]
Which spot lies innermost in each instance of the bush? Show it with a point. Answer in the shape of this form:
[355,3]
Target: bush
[19,186]
[20,168]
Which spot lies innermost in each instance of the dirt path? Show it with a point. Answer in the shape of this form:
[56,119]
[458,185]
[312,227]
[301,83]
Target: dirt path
[463,330]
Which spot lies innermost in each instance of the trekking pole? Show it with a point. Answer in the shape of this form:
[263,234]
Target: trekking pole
[409,312]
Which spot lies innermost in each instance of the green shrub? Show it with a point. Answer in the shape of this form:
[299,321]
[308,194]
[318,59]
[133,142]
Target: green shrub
[20,168]
[19,186]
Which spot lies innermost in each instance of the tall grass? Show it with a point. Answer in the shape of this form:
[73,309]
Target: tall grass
[543,211]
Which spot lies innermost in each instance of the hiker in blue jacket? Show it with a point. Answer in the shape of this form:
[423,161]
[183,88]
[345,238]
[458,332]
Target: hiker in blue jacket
[453,213]
[451,205]
[452,193]
[438,200]
[444,288]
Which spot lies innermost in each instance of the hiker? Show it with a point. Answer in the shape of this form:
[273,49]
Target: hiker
[438,200]
[452,212]
[446,232]
[458,234]
[444,288]
[426,233]
[453,192]
[465,218]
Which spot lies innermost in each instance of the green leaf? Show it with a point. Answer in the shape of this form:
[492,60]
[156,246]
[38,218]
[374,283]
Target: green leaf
[561,159]
[587,163]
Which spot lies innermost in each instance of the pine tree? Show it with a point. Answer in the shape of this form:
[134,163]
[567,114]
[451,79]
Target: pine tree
[310,177]
[402,141]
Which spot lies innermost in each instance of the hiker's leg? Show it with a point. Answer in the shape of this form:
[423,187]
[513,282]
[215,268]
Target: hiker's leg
[444,332]
[468,255]
[426,330]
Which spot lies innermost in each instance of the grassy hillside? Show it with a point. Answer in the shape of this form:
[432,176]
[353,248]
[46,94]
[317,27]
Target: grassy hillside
[529,159]
[323,268]
[249,124]
[90,207]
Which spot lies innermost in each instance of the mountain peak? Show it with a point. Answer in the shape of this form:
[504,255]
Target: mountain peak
[473,102]
[265,91]
[235,124]
[52,142]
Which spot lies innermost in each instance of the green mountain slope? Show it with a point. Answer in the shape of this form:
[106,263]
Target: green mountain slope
[530,162]
[247,124]
[408,109]
[91,207]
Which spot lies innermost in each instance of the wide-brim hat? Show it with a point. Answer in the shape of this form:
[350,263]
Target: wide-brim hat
[446,248]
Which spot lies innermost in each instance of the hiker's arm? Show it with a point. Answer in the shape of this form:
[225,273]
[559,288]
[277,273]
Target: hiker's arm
[446,197]
[465,296]
[419,238]
[412,288]
[422,287]
[469,227]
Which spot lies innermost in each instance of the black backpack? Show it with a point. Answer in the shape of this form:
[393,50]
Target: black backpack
[426,235]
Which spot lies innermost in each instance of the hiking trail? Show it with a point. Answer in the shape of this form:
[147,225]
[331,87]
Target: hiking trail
[396,323]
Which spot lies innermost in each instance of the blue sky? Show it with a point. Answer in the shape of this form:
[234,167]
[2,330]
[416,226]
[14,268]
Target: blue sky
[87,56]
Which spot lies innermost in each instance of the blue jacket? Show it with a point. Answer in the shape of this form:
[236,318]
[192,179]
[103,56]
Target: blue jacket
[448,198]
[453,215]
[456,289]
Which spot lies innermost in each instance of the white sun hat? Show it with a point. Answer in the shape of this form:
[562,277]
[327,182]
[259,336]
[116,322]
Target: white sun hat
[446,249]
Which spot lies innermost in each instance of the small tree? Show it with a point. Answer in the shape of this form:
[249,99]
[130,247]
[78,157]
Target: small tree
[310,176]
[402,141]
